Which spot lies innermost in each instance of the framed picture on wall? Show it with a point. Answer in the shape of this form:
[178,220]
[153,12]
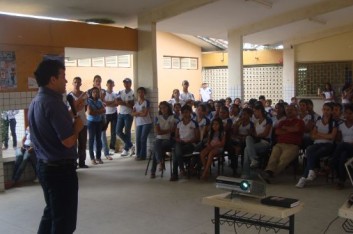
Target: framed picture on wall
[176,63]
[185,63]
[84,62]
[167,62]
[70,63]
[98,62]
[193,65]
[111,61]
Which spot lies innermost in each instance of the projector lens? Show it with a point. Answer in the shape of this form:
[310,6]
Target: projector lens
[244,185]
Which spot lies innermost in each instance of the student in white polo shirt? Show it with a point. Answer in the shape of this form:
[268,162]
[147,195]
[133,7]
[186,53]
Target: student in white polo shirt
[125,99]
[205,92]
[185,95]
[187,135]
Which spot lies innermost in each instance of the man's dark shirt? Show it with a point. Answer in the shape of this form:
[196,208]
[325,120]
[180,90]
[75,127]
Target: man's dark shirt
[49,124]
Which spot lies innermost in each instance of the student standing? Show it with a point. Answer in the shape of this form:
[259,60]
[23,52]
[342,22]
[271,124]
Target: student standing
[125,99]
[141,111]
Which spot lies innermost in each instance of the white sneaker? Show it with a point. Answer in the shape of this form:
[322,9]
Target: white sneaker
[124,153]
[311,175]
[301,182]
[132,150]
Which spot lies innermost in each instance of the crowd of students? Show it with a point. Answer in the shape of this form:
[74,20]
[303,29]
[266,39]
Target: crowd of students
[252,130]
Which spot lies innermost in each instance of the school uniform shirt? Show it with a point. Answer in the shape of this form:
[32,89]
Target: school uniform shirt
[187,131]
[347,133]
[260,127]
[244,130]
[215,140]
[227,122]
[81,113]
[328,95]
[203,122]
[205,94]
[125,96]
[164,123]
[186,96]
[110,97]
[173,101]
[324,128]
[139,120]
[276,121]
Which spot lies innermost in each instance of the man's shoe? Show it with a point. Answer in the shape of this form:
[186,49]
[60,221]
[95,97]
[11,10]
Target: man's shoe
[174,178]
[124,153]
[83,166]
[311,175]
[301,182]
[99,161]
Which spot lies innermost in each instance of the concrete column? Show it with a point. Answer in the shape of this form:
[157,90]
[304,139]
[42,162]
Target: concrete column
[235,65]
[288,73]
[146,68]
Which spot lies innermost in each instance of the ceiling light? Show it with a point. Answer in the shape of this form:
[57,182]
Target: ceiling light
[99,21]
[265,3]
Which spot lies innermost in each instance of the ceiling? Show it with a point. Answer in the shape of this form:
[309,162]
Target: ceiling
[260,21]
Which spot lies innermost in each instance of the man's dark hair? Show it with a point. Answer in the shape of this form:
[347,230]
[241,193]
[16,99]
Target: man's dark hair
[262,97]
[46,69]
[142,89]
[78,78]
[186,108]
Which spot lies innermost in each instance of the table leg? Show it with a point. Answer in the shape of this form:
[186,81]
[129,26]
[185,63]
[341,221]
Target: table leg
[216,220]
[291,224]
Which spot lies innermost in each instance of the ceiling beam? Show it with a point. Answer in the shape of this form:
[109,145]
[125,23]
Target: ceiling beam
[171,9]
[320,35]
[302,13]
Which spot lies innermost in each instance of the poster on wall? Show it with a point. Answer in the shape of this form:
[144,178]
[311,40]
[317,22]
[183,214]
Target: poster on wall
[8,79]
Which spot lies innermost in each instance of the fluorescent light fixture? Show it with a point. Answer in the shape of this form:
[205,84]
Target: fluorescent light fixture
[33,16]
[264,3]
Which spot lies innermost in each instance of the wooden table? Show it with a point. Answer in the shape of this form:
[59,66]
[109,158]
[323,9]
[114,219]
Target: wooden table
[249,211]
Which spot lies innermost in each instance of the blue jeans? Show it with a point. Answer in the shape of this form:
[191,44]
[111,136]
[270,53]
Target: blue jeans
[105,143]
[94,135]
[314,153]
[22,157]
[60,188]
[181,149]
[342,153]
[142,132]
[251,150]
[124,121]
[112,119]
[160,147]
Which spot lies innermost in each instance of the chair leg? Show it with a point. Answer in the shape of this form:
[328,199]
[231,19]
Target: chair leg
[148,163]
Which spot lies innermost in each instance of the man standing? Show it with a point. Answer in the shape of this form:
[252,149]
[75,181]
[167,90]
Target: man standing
[205,92]
[80,98]
[125,99]
[289,134]
[185,95]
[54,137]
[111,115]
[10,121]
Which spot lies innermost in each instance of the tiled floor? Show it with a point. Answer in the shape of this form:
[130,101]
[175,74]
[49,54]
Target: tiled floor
[117,197]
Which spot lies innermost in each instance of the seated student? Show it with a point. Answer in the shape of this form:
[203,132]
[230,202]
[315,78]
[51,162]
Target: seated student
[323,134]
[234,113]
[204,123]
[344,149]
[164,127]
[23,155]
[309,121]
[214,146]
[187,135]
[289,133]
[337,113]
[177,112]
[259,142]
[240,130]
[176,98]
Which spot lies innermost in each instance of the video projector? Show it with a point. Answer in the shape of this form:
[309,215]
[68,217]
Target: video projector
[242,186]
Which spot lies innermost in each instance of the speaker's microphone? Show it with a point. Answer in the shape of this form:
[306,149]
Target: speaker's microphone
[70,99]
